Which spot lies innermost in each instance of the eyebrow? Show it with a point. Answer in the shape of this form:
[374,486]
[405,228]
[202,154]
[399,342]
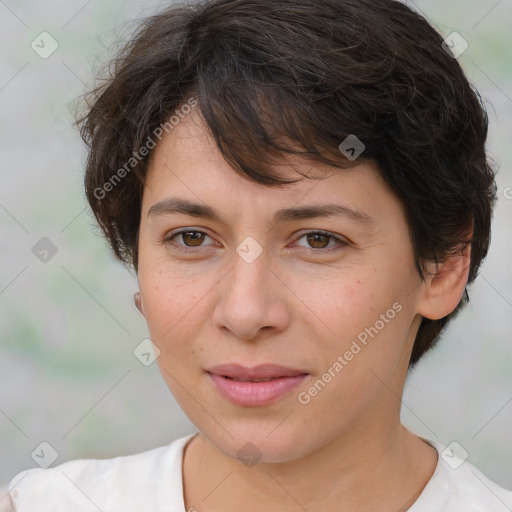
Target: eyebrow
[185,207]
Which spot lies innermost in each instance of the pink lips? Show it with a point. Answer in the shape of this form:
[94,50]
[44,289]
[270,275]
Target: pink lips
[248,392]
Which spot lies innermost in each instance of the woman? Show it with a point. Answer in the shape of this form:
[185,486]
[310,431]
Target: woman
[303,190]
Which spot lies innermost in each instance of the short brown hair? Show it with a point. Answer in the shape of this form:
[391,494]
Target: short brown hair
[296,76]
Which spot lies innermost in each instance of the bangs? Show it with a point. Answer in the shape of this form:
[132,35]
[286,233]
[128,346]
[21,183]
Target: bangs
[262,101]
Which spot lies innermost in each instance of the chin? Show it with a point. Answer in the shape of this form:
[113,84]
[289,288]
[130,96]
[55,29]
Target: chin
[252,444]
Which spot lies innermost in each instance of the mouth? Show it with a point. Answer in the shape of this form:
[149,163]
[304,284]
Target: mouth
[260,373]
[257,386]
[251,380]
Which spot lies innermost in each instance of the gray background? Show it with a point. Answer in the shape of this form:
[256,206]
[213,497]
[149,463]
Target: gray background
[69,327]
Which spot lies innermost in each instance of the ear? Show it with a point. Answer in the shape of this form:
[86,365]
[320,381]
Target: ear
[445,285]
[137,299]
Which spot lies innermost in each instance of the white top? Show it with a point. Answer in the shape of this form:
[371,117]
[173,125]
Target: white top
[152,481]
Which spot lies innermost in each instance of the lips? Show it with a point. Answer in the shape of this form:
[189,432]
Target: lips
[257,386]
[262,372]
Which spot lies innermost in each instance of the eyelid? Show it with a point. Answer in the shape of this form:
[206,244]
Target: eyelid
[341,241]
[302,232]
[169,236]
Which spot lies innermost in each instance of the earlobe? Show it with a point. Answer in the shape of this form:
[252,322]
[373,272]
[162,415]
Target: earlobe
[137,299]
[445,284]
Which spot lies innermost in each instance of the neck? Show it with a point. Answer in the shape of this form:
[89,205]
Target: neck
[368,470]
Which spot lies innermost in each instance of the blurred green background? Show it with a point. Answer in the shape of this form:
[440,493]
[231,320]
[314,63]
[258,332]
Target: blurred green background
[69,327]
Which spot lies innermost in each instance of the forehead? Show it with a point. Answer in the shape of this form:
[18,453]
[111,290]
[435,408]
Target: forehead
[187,163]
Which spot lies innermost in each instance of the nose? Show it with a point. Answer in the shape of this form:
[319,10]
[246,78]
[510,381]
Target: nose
[252,299]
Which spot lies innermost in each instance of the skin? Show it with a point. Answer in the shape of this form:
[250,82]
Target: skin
[296,306]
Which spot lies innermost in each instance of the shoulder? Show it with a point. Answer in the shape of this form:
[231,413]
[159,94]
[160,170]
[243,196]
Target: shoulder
[6,504]
[469,486]
[122,483]
[458,486]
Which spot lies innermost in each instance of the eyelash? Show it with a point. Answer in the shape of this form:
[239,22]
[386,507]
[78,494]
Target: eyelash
[201,249]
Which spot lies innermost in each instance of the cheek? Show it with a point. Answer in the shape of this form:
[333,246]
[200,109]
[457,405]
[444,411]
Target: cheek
[175,316]
[172,302]
[346,304]
[358,364]
[366,319]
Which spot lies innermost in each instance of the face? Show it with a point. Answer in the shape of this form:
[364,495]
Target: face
[333,298]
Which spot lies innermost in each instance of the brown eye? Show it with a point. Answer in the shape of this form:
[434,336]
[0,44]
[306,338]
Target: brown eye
[318,240]
[192,238]
[187,240]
